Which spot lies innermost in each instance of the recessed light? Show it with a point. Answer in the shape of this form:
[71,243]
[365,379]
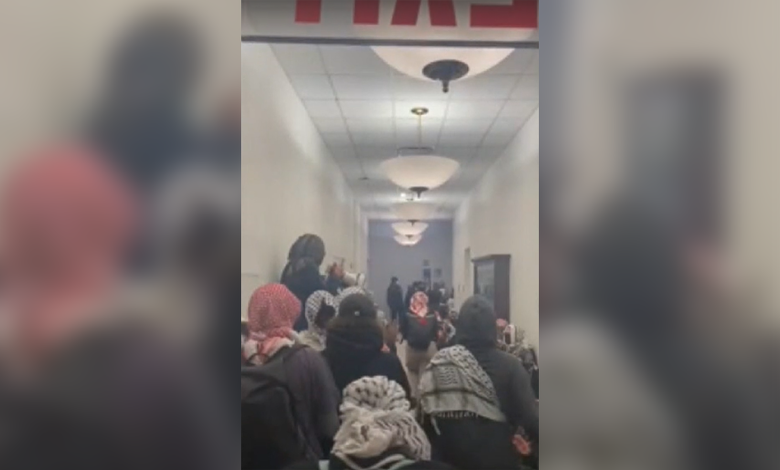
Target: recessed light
[419,111]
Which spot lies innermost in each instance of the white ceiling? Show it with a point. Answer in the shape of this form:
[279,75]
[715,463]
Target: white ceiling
[362,108]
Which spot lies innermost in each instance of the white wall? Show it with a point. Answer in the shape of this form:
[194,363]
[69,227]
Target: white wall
[501,216]
[290,184]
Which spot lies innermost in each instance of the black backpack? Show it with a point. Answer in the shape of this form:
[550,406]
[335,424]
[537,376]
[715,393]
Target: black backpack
[421,331]
[271,437]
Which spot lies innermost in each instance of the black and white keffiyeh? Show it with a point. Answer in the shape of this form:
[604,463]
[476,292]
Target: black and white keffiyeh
[314,336]
[454,385]
[376,417]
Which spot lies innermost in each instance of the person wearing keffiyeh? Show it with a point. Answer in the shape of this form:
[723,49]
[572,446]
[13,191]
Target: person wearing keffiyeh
[320,308]
[355,343]
[378,431]
[272,311]
[474,397]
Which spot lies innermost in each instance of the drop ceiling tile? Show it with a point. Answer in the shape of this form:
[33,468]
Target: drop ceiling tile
[474,109]
[466,126]
[483,87]
[312,87]
[322,108]
[299,59]
[362,87]
[517,63]
[436,109]
[330,125]
[353,60]
[406,88]
[518,109]
[343,152]
[372,126]
[460,139]
[502,132]
[383,139]
[462,154]
[368,152]
[367,108]
[340,139]
[411,138]
[527,88]
[506,126]
[413,125]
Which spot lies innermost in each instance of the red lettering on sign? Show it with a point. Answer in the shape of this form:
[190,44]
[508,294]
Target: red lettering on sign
[308,11]
[407,12]
[520,14]
[366,12]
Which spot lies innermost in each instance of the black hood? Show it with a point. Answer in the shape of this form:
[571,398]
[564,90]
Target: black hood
[353,345]
[476,323]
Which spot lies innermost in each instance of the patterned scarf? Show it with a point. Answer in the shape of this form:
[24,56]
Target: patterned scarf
[376,418]
[454,386]
[314,337]
[419,304]
[273,310]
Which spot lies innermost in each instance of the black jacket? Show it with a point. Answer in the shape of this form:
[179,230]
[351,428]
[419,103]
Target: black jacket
[302,282]
[395,298]
[355,354]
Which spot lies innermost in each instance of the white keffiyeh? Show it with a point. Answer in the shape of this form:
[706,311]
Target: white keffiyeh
[376,418]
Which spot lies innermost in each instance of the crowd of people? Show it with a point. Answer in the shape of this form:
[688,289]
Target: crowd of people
[324,385]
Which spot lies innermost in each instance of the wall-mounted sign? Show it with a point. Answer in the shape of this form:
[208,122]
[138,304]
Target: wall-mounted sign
[377,21]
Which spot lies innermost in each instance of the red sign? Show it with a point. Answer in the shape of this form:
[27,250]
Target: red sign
[439,20]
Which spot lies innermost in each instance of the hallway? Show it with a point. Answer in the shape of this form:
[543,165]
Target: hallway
[318,121]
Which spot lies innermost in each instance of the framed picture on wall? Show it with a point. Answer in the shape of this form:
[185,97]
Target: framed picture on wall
[491,280]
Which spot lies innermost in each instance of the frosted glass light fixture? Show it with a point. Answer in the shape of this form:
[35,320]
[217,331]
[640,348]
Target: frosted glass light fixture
[442,64]
[413,211]
[420,171]
[409,228]
[408,240]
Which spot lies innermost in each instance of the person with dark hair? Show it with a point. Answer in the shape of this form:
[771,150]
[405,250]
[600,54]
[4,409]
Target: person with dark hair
[395,299]
[475,398]
[302,273]
[355,342]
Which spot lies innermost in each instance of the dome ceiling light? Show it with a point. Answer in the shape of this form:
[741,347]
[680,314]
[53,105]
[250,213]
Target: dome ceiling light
[413,211]
[442,64]
[409,228]
[421,171]
[408,240]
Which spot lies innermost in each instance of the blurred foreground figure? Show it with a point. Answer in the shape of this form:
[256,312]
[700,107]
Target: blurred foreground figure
[142,121]
[86,384]
[658,366]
